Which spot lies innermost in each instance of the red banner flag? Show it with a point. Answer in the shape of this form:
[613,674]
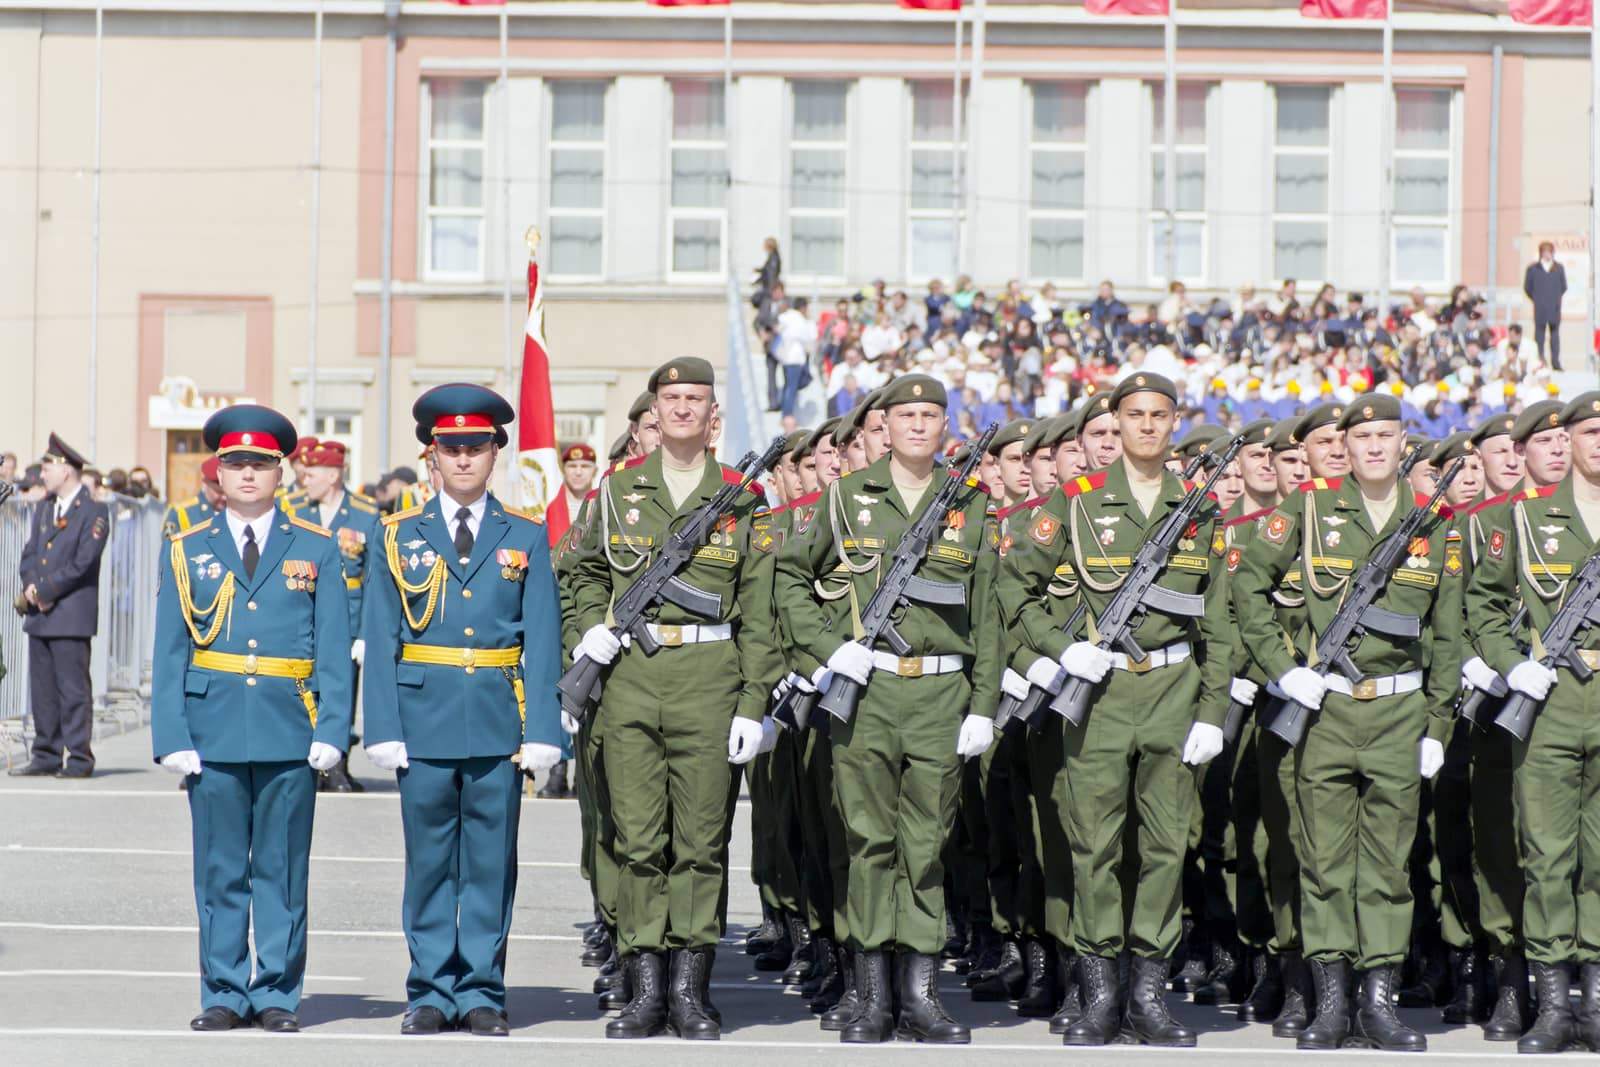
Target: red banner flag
[931,5]
[1553,12]
[1125,7]
[479,3]
[1345,9]
[689,3]
[538,467]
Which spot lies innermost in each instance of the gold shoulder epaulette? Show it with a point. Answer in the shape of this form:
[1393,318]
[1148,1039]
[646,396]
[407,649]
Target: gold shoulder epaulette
[365,504]
[196,528]
[295,520]
[524,514]
[187,504]
[409,513]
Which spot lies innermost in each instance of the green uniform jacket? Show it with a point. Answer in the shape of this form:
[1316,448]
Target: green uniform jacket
[857,524]
[1238,530]
[1060,598]
[634,516]
[1091,529]
[1325,531]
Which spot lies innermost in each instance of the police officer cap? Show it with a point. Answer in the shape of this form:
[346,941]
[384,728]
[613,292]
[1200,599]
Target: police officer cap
[825,430]
[1257,431]
[685,370]
[1318,417]
[249,431]
[1282,437]
[640,405]
[1494,426]
[1011,433]
[1378,408]
[1141,382]
[461,414]
[1045,433]
[61,452]
[912,389]
[1586,406]
[1452,448]
[1540,415]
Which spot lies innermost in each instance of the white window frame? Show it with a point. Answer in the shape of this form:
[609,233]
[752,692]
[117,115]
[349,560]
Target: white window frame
[553,212]
[913,146]
[1445,222]
[429,211]
[718,215]
[842,212]
[1031,213]
[1278,151]
[1158,213]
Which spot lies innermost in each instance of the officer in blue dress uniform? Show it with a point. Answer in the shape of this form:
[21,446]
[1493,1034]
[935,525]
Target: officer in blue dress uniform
[186,514]
[250,699]
[60,604]
[463,633]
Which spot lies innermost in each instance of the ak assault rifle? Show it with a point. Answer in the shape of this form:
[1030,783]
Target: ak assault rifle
[900,585]
[660,582]
[1359,613]
[1580,610]
[794,705]
[1140,594]
[1412,459]
[1026,710]
[1471,702]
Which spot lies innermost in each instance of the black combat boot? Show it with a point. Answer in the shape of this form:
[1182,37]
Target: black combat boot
[798,966]
[1513,1012]
[1589,1012]
[835,978]
[617,997]
[1332,1023]
[646,1014]
[781,951]
[1039,997]
[1224,974]
[1147,1020]
[1554,1029]
[1005,982]
[595,930]
[1298,997]
[336,779]
[595,955]
[1101,1018]
[767,934]
[983,952]
[555,783]
[1265,1000]
[844,1009]
[1466,1004]
[956,934]
[921,1016]
[873,1021]
[1376,1025]
[822,969]
[1432,987]
[686,1014]
[1070,1007]
[1194,957]
[609,976]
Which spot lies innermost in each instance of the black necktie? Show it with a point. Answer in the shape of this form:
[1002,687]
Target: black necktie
[252,552]
[463,534]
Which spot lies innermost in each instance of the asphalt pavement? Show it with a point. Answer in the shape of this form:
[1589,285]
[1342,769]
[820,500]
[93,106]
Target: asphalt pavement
[98,951]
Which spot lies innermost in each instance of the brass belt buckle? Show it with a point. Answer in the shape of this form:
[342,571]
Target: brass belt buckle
[670,636]
[1142,665]
[250,663]
[909,667]
[1366,689]
[469,660]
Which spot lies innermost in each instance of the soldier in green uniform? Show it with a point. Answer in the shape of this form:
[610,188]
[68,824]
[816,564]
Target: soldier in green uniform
[666,758]
[896,759]
[1151,722]
[1360,763]
[1099,434]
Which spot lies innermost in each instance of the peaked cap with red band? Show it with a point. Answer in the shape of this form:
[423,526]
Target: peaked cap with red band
[462,414]
[249,431]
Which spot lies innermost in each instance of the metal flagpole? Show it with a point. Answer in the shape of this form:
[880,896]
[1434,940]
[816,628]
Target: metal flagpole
[391,15]
[955,162]
[1169,140]
[316,229]
[975,94]
[505,185]
[1592,318]
[728,134]
[1386,148]
[94,236]
[1497,54]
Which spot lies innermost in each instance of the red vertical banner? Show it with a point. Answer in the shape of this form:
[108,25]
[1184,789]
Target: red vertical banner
[1125,7]
[1376,10]
[1553,12]
[538,468]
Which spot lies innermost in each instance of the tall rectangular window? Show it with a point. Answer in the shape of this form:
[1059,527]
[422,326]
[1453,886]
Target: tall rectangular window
[818,150]
[454,160]
[1301,165]
[933,179]
[577,178]
[1421,187]
[1058,150]
[699,204]
[1189,152]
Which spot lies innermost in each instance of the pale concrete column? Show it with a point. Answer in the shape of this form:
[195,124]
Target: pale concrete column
[761,139]
[1000,129]
[1239,186]
[638,133]
[879,171]
[1355,193]
[1114,231]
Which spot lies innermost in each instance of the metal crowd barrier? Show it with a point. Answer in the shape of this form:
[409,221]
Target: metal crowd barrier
[119,663]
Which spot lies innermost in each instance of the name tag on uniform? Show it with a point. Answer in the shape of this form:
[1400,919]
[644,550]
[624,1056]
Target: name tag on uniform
[950,552]
[720,555]
[1108,561]
[642,541]
[1332,563]
[864,542]
[1426,579]
[1187,562]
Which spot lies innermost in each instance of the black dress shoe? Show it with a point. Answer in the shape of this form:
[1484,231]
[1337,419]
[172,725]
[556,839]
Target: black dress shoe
[278,1021]
[75,772]
[34,770]
[486,1022]
[217,1018]
[424,1020]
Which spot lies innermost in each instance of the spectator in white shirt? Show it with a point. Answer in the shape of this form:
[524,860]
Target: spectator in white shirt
[867,376]
[797,336]
[880,337]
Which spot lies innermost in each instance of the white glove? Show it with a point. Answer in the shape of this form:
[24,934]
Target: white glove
[1086,660]
[977,734]
[1013,684]
[569,724]
[821,678]
[1043,673]
[1430,757]
[388,755]
[802,683]
[744,740]
[1304,686]
[1204,744]
[1244,691]
[186,761]
[1532,678]
[853,660]
[323,756]
[538,756]
[598,644]
[769,735]
[358,651]
[1476,674]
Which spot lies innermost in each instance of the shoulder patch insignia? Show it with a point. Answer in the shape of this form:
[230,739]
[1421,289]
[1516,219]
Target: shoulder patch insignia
[1219,545]
[767,541]
[1044,530]
[295,520]
[1005,545]
[1452,560]
[1277,528]
[1497,544]
[409,513]
[1234,556]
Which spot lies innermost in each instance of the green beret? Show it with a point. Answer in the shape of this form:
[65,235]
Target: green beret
[794,441]
[1071,423]
[1415,441]
[1256,432]
[1045,434]
[1097,406]
[1494,426]
[685,370]
[825,430]
[850,421]
[1453,447]
[1540,415]
[1142,382]
[1585,406]
[1378,408]
[1011,433]
[912,389]
[641,404]
[1282,438]
[1318,417]
[619,448]
[1199,440]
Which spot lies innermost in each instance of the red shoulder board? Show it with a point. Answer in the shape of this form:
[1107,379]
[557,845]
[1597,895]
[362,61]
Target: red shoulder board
[807,500]
[1024,505]
[1084,484]
[1321,483]
[1482,504]
[626,464]
[592,494]
[1252,517]
[1189,487]
[1441,509]
[1537,494]
[733,477]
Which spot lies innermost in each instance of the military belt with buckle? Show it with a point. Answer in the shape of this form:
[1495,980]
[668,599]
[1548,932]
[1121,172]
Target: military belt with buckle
[916,666]
[1385,685]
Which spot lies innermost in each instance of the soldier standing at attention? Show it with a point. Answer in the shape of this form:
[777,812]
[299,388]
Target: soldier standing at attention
[578,465]
[464,647]
[60,571]
[250,698]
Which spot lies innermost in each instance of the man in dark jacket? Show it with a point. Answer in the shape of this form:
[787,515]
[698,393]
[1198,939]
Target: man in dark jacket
[1544,285]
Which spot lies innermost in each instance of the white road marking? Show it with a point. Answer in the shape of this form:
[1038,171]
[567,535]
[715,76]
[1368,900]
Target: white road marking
[60,973]
[111,928]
